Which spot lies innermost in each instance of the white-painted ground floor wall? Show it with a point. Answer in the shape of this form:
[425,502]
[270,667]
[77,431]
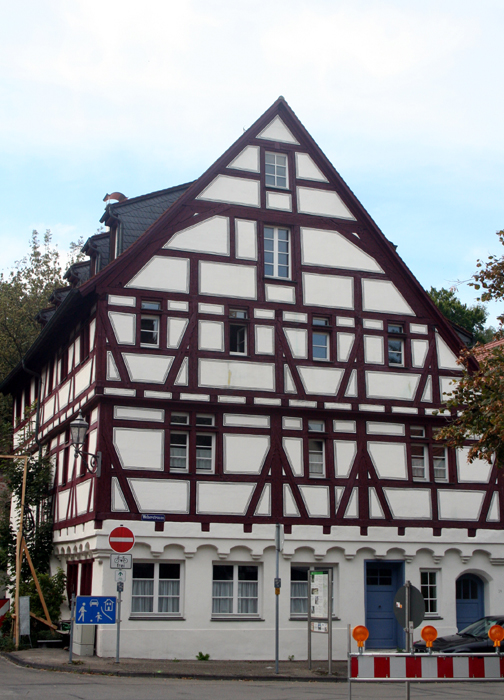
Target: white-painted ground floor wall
[223,602]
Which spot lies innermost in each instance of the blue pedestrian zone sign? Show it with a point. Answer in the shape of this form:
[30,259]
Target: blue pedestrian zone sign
[95,610]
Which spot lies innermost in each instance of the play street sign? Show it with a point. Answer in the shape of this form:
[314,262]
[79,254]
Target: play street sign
[120,561]
[95,610]
[121,539]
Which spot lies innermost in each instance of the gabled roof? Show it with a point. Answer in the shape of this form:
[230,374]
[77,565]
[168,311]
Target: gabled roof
[159,210]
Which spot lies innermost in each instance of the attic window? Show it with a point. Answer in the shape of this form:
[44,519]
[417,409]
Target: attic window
[276,170]
[151,305]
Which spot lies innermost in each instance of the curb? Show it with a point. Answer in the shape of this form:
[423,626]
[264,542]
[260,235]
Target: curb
[164,674]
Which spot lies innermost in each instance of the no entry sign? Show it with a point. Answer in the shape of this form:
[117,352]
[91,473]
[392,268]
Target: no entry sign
[121,539]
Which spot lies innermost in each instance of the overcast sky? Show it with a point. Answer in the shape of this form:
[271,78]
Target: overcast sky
[404,97]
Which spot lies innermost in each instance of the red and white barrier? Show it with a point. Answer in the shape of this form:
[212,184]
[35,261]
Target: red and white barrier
[4,608]
[425,667]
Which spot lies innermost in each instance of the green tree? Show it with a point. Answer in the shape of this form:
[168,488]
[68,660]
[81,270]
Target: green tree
[478,398]
[472,318]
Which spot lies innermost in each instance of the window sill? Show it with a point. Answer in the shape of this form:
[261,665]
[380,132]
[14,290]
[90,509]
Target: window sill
[281,280]
[236,618]
[433,617]
[304,618]
[159,616]
[147,345]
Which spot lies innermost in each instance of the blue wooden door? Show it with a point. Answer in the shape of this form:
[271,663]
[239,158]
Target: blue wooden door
[470,601]
[383,579]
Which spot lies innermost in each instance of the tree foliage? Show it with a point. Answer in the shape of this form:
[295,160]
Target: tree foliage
[472,318]
[478,398]
[23,292]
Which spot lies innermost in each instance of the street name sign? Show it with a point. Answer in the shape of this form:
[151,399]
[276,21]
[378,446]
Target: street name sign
[95,610]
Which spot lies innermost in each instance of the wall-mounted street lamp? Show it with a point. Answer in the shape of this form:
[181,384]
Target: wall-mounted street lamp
[78,431]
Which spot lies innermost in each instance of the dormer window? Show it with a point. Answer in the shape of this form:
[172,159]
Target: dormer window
[276,170]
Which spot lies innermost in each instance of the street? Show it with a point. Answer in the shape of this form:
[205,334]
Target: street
[49,685]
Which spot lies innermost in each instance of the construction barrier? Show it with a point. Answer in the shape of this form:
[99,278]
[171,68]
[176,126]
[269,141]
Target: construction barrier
[422,667]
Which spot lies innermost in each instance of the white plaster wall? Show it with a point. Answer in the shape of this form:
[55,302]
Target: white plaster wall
[234,374]
[330,291]
[332,249]
[451,555]
[233,190]
[208,236]
[227,280]
[246,239]
[383,296]
[163,274]
[211,335]
[322,203]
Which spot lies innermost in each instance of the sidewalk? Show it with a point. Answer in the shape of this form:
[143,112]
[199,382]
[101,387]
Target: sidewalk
[57,660]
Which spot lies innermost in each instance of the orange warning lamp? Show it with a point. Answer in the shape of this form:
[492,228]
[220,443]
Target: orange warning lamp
[496,634]
[360,634]
[429,634]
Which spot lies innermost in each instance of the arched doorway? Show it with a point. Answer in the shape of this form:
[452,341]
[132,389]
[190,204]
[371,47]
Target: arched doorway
[470,602]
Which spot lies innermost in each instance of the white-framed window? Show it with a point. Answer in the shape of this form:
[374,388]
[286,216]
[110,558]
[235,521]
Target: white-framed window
[320,345]
[147,305]
[156,588]
[237,332]
[179,451]
[276,170]
[440,463]
[235,590]
[205,419]
[299,590]
[277,252]
[316,457]
[149,330]
[429,589]
[316,426]
[179,418]
[419,462]
[395,344]
[204,452]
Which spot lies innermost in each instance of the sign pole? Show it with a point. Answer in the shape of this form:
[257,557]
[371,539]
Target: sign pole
[329,624]
[309,621]
[277,596]
[72,623]
[120,588]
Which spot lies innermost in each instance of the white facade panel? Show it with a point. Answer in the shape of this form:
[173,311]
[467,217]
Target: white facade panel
[383,296]
[124,327]
[248,160]
[227,280]
[208,236]
[410,504]
[374,350]
[280,294]
[391,385]
[344,456]
[332,249]
[322,203]
[419,350]
[139,448]
[246,239]
[316,499]
[152,369]
[389,459]
[175,329]
[321,380]
[234,190]
[477,471]
[446,358]
[245,454]
[298,342]
[293,448]
[330,291]
[234,374]
[160,495]
[306,169]
[211,335]
[277,131]
[460,505]
[163,274]
[278,200]
[223,498]
[265,340]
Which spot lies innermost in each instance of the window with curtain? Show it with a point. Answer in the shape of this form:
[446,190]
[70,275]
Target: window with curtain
[156,588]
[235,590]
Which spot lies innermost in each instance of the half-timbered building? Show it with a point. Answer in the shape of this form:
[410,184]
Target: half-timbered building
[249,349]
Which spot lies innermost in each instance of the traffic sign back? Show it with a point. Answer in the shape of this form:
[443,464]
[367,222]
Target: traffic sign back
[121,539]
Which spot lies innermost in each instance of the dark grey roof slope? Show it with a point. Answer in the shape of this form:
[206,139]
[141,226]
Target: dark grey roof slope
[137,214]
